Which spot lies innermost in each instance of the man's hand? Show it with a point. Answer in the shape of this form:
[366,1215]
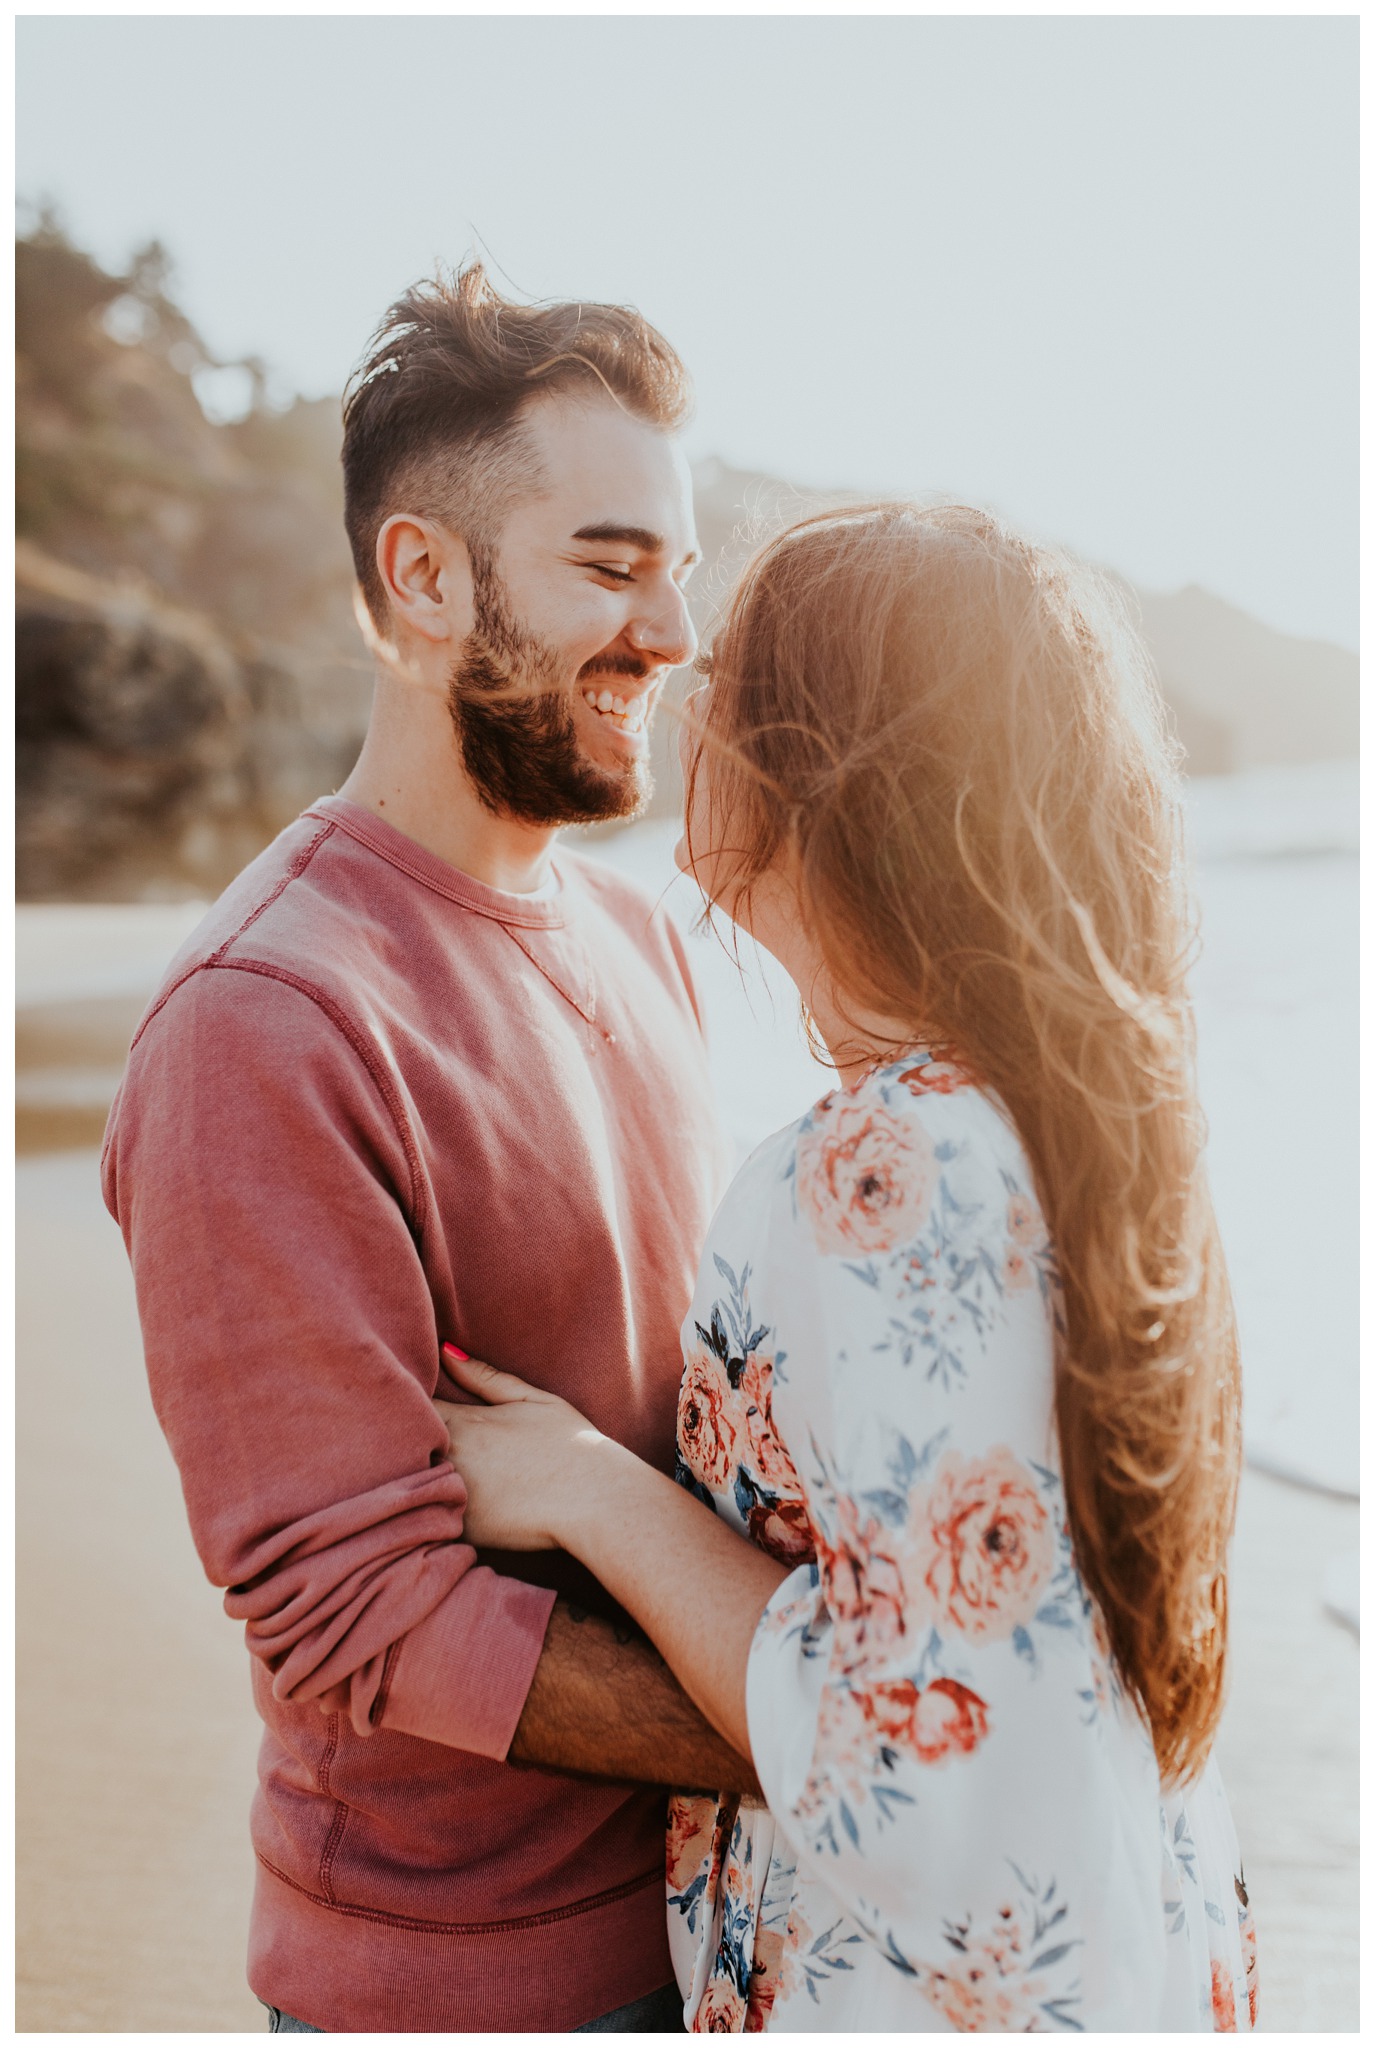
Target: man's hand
[605,1704]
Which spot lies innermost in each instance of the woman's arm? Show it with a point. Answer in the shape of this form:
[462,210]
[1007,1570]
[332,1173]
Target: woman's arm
[540,1477]
[696,1588]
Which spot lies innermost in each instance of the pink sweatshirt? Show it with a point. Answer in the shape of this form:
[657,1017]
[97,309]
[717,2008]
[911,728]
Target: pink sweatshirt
[375,1107]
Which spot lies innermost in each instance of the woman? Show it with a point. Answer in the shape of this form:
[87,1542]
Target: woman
[959,1418]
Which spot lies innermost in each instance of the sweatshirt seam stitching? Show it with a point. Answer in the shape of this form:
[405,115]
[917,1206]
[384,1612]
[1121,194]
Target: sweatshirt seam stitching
[297,867]
[413,1924]
[336,1836]
[340,1810]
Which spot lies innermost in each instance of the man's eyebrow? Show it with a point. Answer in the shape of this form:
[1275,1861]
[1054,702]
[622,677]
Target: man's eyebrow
[641,537]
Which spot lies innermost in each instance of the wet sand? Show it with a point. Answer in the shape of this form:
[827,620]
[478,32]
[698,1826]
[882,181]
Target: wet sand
[137,1737]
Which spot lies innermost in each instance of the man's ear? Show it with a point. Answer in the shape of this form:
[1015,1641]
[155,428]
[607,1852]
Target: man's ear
[427,575]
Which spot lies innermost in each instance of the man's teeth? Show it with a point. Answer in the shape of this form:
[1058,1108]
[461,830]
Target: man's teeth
[630,717]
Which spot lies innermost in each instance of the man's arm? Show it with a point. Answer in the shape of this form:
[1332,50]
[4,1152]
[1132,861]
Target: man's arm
[603,1702]
[260,1171]
[261,1182]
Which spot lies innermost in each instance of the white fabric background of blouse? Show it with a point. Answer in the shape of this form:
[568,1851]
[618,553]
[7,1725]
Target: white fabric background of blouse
[965,1829]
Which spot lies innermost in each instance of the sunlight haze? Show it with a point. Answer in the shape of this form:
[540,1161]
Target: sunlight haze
[1097,273]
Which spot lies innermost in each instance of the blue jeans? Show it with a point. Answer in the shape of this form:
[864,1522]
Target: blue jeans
[660,2013]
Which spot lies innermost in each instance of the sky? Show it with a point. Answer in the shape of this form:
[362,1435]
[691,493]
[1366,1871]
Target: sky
[1099,274]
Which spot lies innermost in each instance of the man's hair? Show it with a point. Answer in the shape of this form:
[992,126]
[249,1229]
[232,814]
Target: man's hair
[433,415]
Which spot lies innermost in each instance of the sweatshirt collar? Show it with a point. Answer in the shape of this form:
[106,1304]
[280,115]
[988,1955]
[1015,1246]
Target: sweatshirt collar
[433,873]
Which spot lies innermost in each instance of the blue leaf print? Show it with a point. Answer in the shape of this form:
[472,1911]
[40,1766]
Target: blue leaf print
[886,1797]
[1215,1912]
[686,1902]
[847,1821]
[929,1449]
[727,1273]
[890,1507]
[1023,1645]
[902,1462]
[893,1954]
[1055,1617]
[1054,2008]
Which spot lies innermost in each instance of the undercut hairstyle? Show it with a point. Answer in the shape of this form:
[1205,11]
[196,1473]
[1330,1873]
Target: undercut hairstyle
[434,413]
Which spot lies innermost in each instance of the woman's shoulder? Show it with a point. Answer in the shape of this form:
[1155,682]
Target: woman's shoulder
[917,1141]
[915,1150]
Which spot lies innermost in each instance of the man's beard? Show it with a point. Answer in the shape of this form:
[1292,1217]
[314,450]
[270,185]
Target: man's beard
[521,753]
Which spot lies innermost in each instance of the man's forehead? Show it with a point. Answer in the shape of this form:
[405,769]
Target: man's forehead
[611,476]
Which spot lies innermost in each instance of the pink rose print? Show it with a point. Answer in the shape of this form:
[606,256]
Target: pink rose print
[783,1531]
[1016,1271]
[986,1990]
[863,1584]
[797,1938]
[1249,1953]
[726,1811]
[1224,1999]
[767,1962]
[864,1179]
[706,1434]
[973,2004]
[988,1544]
[722,2010]
[937,1077]
[934,1723]
[1024,1220]
[949,1720]
[845,1745]
[768,1459]
[688,1844]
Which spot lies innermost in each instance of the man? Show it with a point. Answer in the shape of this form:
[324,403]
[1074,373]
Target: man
[416,1081]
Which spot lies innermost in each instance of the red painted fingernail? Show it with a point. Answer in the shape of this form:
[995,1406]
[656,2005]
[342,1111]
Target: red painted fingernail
[454,1351]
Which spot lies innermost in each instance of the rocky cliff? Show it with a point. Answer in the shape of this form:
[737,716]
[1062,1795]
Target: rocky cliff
[188,671]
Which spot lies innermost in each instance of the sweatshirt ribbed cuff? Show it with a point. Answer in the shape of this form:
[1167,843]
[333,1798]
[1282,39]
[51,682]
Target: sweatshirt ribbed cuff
[462,1675]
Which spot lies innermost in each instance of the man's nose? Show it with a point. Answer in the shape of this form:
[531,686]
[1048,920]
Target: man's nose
[666,633]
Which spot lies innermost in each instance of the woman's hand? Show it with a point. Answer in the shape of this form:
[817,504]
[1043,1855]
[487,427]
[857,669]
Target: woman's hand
[540,1477]
[527,1458]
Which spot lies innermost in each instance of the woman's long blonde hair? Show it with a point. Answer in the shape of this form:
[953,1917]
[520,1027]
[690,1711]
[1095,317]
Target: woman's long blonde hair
[956,740]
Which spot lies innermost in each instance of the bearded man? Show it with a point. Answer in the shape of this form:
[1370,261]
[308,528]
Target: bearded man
[421,1079]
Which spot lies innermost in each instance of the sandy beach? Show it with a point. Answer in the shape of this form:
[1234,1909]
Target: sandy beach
[137,1738]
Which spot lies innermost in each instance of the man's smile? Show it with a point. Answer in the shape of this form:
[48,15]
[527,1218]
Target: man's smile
[620,695]
[625,715]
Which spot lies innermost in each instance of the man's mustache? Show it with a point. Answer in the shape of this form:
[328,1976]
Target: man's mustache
[616,665]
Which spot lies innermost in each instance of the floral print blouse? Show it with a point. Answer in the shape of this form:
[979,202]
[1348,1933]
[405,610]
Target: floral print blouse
[964,1828]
